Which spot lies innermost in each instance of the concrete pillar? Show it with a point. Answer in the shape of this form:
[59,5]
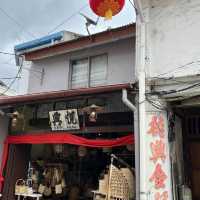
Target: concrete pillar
[156,163]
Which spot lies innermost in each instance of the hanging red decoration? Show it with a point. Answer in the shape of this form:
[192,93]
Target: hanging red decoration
[107,8]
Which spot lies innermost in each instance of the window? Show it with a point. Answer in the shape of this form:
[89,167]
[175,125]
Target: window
[89,72]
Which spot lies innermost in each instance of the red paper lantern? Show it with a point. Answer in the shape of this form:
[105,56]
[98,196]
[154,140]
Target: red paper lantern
[107,8]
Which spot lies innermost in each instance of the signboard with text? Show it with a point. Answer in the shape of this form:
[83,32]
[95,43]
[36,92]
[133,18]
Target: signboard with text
[158,157]
[64,120]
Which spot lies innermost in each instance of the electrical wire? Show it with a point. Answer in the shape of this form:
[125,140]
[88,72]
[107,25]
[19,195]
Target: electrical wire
[7,53]
[172,78]
[33,72]
[154,104]
[12,82]
[133,5]
[16,22]
[9,78]
[175,91]
[25,68]
[68,19]
[180,67]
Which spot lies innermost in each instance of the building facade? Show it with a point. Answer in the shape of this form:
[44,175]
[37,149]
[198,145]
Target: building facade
[115,58]
[78,112]
[167,59]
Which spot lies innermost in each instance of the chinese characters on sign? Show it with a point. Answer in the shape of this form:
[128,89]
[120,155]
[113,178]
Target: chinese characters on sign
[159,177]
[64,120]
[158,151]
[163,196]
[157,126]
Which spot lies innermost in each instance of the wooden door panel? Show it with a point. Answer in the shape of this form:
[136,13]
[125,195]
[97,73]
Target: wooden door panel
[195,168]
[195,155]
[196,183]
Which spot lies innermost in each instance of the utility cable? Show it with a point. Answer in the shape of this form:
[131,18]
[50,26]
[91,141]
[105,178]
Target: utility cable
[12,82]
[9,78]
[177,68]
[68,19]
[25,68]
[155,105]
[175,91]
[7,53]
[133,6]
[16,22]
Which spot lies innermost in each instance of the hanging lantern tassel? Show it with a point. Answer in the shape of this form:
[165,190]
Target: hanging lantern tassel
[108,14]
[106,8]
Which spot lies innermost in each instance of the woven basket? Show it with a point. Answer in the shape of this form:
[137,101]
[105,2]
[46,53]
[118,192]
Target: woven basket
[20,187]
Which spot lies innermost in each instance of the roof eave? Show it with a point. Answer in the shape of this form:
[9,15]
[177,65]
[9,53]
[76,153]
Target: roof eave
[82,43]
[59,95]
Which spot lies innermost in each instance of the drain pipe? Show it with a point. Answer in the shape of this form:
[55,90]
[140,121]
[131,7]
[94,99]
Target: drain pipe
[133,108]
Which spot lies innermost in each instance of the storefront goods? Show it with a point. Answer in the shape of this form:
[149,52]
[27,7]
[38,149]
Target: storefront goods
[118,184]
[20,187]
[58,189]
[58,148]
[103,184]
[41,189]
[61,138]
[47,191]
[82,151]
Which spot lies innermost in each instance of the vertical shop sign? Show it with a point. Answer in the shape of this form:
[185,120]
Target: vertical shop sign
[158,174]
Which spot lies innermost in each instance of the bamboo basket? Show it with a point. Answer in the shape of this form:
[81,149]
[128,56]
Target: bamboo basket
[118,185]
[20,187]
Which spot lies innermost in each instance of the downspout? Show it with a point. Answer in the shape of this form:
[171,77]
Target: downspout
[140,64]
[142,114]
[133,108]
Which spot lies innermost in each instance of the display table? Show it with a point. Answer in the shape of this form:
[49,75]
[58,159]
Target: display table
[34,196]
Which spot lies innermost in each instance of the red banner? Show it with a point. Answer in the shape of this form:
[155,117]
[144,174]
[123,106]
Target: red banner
[60,138]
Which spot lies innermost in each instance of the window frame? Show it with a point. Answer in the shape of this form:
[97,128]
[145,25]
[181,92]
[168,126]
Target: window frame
[89,58]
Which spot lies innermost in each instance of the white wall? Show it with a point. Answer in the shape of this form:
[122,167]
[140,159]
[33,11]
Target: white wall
[173,33]
[120,66]
[3,133]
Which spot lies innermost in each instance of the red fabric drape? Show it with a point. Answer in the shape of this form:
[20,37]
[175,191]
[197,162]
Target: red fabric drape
[59,138]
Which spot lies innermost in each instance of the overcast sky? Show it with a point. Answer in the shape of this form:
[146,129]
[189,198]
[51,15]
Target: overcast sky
[25,20]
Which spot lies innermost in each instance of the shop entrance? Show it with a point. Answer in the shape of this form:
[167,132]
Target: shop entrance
[67,171]
[187,167]
[192,152]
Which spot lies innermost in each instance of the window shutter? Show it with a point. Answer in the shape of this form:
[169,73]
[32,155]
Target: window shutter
[98,71]
[80,73]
